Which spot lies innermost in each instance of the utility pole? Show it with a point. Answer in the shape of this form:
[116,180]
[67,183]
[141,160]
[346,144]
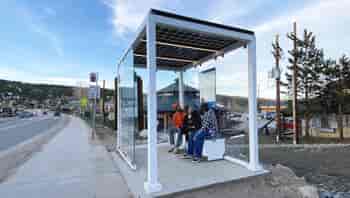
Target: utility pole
[277,53]
[294,83]
[94,95]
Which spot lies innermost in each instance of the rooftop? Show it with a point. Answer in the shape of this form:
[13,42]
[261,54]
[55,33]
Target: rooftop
[183,42]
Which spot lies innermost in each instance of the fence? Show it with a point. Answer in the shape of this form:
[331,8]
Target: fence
[327,126]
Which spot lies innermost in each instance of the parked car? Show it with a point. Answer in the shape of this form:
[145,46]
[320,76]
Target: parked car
[287,123]
[25,114]
[57,113]
[7,112]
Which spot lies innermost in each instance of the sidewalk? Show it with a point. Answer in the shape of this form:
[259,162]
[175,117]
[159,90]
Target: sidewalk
[70,165]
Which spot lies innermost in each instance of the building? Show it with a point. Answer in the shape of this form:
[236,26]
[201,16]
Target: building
[168,96]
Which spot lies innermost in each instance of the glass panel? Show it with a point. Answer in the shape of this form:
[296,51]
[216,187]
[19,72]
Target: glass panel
[128,107]
[207,85]
[231,98]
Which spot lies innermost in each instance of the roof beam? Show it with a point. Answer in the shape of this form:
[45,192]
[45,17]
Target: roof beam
[161,67]
[183,46]
[168,58]
[227,49]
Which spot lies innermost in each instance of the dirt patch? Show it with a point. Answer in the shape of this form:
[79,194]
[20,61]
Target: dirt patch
[325,167]
[280,182]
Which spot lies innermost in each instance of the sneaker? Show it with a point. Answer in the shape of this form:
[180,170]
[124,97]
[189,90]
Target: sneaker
[196,160]
[171,150]
[186,156]
[177,151]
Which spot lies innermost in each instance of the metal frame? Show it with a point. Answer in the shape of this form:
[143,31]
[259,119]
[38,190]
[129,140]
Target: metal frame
[244,38]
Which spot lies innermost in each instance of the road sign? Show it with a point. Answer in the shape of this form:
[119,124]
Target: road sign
[94,92]
[93,77]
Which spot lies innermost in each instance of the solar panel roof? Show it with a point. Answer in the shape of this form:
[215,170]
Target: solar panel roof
[179,48]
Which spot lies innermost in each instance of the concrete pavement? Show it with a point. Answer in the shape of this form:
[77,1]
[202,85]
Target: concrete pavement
[70,165]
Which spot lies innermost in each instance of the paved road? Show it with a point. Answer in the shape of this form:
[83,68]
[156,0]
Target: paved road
[16,131]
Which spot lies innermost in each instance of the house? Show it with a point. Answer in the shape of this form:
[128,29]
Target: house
[168,96]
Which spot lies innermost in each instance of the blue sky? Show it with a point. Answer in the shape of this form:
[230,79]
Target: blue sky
[62,41]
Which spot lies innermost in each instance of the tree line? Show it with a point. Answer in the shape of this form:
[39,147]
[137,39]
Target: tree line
[322,82]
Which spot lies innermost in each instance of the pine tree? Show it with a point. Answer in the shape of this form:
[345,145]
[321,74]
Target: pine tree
[342,74]
[309,74]
[326,99]
[337,78]
[309,66]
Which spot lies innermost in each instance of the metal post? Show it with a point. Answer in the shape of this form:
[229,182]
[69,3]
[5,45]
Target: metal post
[295,92]
[252,103]
[181,90]
[152,184]
[103,101]
[118,109]
[94,108]
[278,99]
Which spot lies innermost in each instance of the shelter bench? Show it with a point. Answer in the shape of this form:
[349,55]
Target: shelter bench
[214,148]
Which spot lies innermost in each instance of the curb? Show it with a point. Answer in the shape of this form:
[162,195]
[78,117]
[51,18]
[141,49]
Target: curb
[15,156]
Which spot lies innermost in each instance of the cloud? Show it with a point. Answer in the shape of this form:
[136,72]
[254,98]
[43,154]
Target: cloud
[224,11]
[36,24]
[325,18]
[128,14]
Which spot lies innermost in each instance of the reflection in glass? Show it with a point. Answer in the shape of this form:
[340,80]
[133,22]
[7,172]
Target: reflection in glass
[128,107]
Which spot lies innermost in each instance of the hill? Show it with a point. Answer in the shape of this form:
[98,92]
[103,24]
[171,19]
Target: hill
[38,92]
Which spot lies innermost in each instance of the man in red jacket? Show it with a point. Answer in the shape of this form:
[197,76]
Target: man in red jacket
[177,121]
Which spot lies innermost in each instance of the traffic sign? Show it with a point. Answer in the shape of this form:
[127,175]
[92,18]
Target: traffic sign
[94,92]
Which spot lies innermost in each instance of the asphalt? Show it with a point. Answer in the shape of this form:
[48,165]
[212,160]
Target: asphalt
[18,130]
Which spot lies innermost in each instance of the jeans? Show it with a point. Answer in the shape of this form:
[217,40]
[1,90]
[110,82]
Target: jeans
[196,142]
[172,133]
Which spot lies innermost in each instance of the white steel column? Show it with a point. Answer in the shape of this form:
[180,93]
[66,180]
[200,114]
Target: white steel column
[152,184]
[253,130]
[118,112]
[181,89]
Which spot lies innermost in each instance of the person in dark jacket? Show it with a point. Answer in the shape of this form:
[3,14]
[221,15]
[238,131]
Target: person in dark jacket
[191,123]
[208,129]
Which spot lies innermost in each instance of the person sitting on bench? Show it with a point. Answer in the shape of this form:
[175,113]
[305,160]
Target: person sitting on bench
[192,122]
[208,130]
[177,120]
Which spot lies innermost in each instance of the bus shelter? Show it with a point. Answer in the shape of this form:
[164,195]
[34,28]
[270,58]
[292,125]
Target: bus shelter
[167,41]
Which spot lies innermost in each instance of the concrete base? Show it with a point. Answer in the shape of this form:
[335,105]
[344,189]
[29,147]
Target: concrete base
[178,175]
[152,188]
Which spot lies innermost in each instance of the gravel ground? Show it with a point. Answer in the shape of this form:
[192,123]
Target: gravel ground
[327,168]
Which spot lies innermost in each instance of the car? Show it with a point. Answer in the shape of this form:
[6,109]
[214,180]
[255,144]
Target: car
[57,113]
[25,114]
